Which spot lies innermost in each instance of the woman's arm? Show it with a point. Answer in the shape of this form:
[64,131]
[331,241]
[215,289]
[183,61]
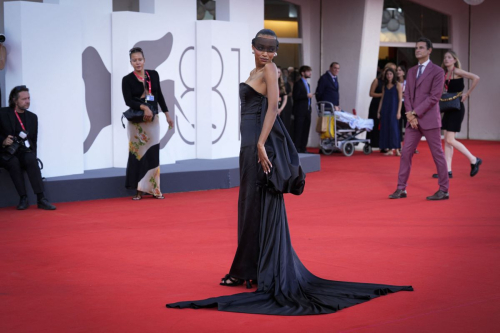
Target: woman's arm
[399,86]
[283,103]
[161,99]
[470,76]
[380,104]
[372,89]
[271,78]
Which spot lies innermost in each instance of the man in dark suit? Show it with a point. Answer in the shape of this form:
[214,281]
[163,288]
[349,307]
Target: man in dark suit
[18,137]
[302,109]
[424,86]
[328,86]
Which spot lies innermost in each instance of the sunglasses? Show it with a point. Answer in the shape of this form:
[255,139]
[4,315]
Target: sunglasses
[19,88]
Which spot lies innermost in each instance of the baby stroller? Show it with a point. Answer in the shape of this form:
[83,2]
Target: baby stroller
[338,130]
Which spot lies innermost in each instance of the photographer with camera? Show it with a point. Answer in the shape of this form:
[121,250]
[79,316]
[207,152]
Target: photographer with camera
[18,138]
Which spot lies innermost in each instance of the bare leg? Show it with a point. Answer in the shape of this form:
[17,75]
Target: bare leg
[450,140]
[448,151]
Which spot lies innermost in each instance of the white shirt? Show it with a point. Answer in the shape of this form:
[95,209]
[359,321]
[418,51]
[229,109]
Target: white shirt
[334,77]
[424,66]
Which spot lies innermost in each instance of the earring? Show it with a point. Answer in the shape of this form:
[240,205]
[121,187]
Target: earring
[275,54]
[253,52]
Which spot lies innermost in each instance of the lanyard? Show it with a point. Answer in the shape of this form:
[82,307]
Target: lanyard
[142,79]
[446,77]
[18,118]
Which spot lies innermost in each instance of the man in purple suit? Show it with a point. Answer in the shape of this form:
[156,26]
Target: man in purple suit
[424,87]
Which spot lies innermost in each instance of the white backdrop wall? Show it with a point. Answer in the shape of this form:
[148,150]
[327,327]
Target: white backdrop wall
[72,54]
[485,47]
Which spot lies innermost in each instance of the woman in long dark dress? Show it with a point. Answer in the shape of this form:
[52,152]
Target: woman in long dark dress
[376,94]
[389,113]
[285,286]
[452,120]
[285,102]
[141,91]
[401,78]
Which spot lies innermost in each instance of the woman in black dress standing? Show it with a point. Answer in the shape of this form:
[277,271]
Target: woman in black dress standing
[284,105]
[452,120]
[269,167]
[376,93]
[141,91]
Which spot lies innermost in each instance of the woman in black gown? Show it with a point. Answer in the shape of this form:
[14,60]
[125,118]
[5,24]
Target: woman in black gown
[285,286]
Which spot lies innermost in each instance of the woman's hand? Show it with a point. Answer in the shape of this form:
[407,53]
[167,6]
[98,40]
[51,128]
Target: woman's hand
[169,121]
[464,97]
[148,114]
[378,115]
[263,160]
[398,116]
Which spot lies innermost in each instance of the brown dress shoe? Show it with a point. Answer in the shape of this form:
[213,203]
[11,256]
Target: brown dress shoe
[439,195]
[398,194]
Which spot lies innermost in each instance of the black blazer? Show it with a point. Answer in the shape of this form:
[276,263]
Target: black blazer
[132,90]
[300,99]
[327,90]
[8,127]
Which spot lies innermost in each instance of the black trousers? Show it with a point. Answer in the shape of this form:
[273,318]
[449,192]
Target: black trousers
[302,123]
[24,160]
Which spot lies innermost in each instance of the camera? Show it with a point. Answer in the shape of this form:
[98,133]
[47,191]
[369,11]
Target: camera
[18,140]
[2,38]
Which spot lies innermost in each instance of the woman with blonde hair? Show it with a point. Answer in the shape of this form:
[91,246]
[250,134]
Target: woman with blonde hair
[452,120]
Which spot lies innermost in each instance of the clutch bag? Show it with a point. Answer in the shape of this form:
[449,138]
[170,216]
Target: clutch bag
[137,116]
[450,102]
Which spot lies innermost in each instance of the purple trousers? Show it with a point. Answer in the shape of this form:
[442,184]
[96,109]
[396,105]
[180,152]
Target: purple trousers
[412,139]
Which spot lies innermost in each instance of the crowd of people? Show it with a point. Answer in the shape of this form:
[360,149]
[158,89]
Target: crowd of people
[389,109]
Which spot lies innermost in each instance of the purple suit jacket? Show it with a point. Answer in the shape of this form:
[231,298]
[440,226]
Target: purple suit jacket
[423,96]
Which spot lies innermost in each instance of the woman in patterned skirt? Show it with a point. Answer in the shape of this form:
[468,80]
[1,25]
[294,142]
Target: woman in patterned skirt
[141,91]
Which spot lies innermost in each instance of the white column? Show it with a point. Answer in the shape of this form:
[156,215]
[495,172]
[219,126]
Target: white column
[203,89]
[370,44]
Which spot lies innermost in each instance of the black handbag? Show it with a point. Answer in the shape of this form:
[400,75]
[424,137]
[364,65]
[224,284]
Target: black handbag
[137,116]
[450,102]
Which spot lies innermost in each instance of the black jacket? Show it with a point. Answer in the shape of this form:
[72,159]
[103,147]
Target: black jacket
[132,90]
[8,122]
[327,90]
[300,99]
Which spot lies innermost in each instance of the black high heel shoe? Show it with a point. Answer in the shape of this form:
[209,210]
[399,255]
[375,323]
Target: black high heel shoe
[233,282]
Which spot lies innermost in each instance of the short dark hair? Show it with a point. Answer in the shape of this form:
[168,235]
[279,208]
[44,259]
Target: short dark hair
[304,68]
[334,63]
[14,95]
[427,42]
[135,50]
[403,68]
[394,79]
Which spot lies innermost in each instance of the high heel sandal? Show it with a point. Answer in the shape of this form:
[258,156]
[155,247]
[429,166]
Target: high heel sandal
[233,281]
[398,152]
[159,196]
[138,196]
[389,153]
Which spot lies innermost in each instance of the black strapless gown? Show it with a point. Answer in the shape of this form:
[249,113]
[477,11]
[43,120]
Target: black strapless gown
[285,286]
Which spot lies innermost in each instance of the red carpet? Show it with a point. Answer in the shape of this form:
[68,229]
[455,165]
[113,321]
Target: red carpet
[111,265]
